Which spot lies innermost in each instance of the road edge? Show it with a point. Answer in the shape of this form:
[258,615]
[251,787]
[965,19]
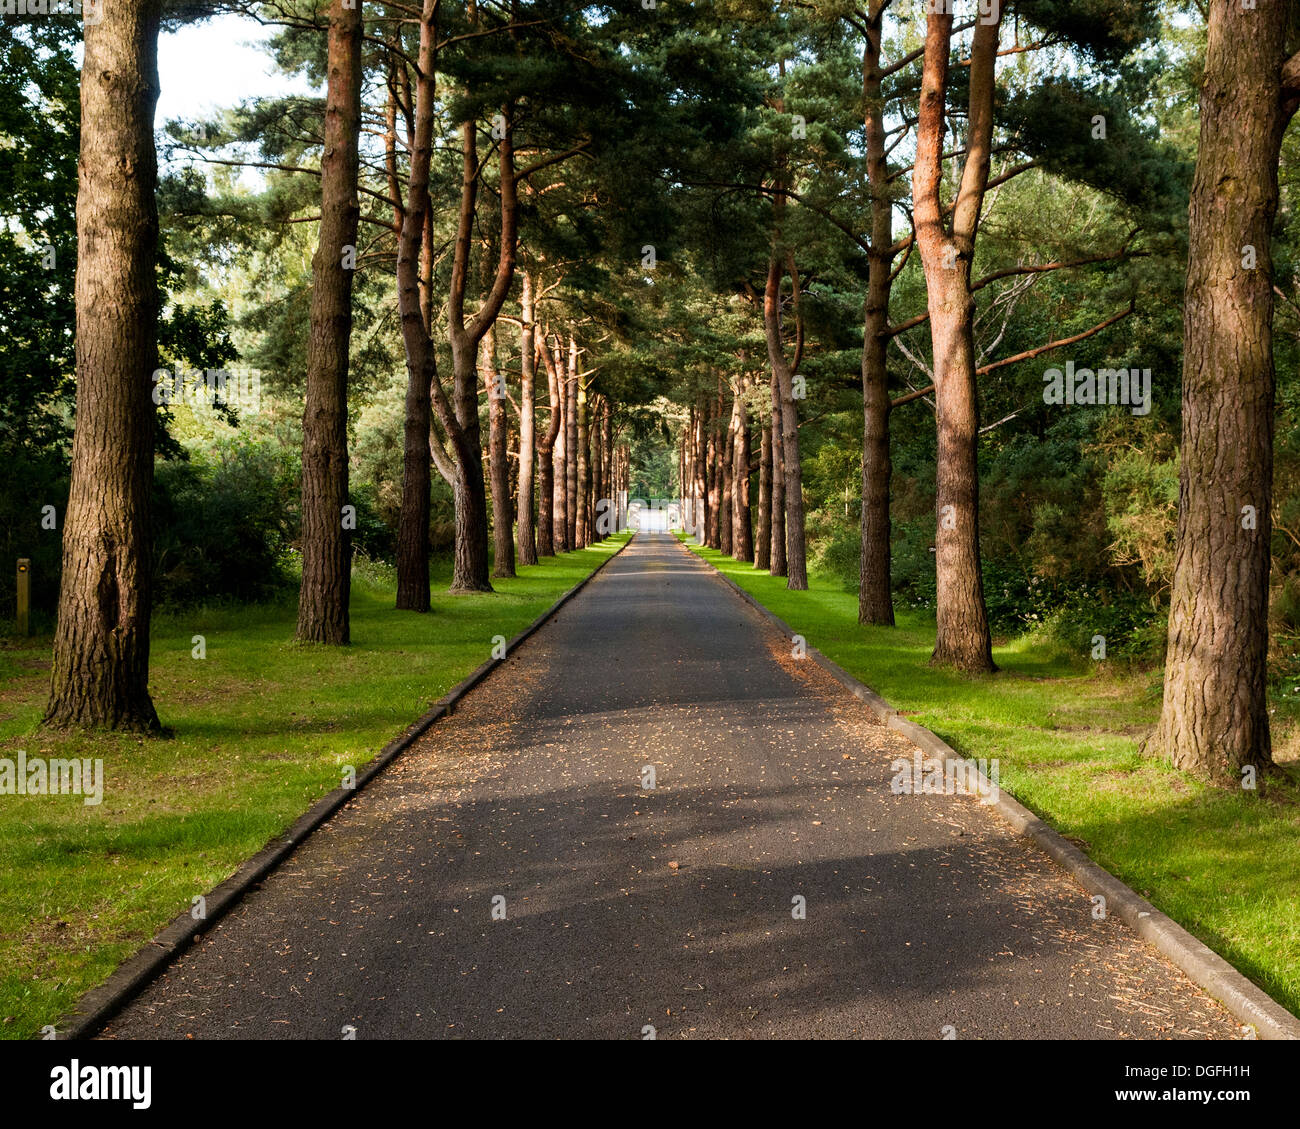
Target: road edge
[98,1005]
[1244,999]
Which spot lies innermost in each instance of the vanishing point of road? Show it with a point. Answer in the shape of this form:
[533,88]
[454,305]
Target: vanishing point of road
[509,876]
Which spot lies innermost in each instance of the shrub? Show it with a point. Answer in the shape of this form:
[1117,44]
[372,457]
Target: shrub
[223,521]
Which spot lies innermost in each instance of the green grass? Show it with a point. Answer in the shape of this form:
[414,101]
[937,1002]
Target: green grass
[1224,864]
[263,728]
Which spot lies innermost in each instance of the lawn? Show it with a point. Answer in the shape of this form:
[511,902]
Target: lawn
[1224,864]
[262,728]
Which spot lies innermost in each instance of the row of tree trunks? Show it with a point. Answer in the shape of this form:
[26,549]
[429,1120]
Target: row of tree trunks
[700,475]
[723,447]
[457,415]
[742,530]
[573,457]
[715,466]
[763,535]
[582,485]
[712,537]
[607,489]
[599,486]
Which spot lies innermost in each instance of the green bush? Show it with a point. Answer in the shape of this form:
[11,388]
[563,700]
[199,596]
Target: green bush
[223,522]
[839,555]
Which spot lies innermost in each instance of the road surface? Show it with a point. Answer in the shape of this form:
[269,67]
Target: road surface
[510,876]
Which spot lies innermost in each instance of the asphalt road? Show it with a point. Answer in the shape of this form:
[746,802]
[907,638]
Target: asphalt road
[672,907]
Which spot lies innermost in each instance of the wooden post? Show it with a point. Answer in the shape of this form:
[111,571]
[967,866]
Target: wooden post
[24,593]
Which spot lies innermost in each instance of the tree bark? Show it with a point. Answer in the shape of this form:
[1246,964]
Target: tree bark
[963,640]
[726,454]
[100,672]
[681,474]
[778,558]
[421,361]
[503,542]
[763,537]
[1214,715]
[460,419]
[742,529]
[326,543]
[610,488]
[686,480]
[713,540]
[701,473]
[875,590]
[582,529]
[527,443]
[560,460]
[545,458]
[571,447]
[795,559]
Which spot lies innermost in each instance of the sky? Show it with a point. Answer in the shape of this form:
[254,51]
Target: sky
[218,63]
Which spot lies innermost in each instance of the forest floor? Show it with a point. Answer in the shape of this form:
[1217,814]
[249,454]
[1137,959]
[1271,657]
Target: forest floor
[1224,864]
[263,727]
[653,821]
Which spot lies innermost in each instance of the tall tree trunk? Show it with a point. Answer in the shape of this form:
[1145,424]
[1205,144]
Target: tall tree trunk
[503,543]
[607,448]
[687,484]
[795,556]
[1214,717]
[413,302]
[714,540]
[963,639]
[681,474]
[545,458]
[326,543]
[560,461]
[742,530]
[599,485]
[778,558]
[100,672]
[875,590]
[701,472]
[470,567]
[582,529]
[571,447]
[726,453]
[763,537]
[527,421]
[413,519]
[470,564]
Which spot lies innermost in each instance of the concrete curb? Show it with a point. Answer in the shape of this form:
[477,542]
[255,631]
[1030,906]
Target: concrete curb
[100,1004]
[1249,1003]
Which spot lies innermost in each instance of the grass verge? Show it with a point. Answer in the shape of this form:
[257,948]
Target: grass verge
[262,727]
[1224,865]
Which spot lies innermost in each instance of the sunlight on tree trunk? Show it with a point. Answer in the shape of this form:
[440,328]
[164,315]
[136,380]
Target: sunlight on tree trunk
[326,536]
[100,671]
[1214,716]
